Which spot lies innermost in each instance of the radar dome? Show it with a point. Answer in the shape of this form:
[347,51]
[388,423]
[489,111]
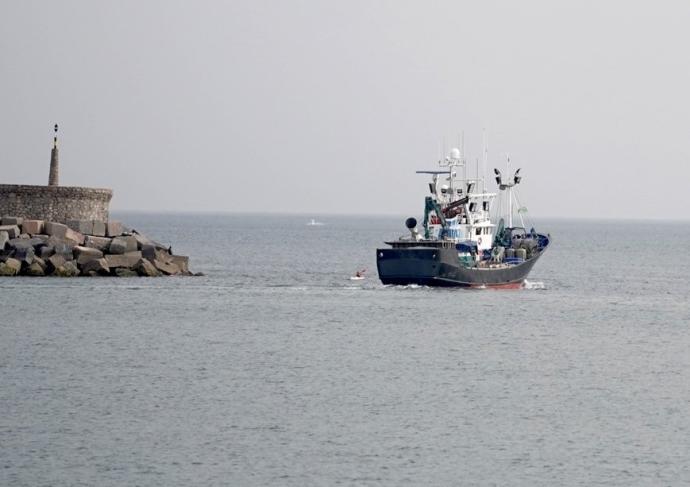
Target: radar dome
[455,153]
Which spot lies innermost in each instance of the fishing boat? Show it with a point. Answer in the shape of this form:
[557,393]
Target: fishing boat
[470,238]
[314,223]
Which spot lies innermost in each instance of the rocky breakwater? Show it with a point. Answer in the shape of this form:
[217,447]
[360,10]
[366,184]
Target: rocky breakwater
[82,248]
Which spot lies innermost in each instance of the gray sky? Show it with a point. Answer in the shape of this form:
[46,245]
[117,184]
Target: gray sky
[329,107]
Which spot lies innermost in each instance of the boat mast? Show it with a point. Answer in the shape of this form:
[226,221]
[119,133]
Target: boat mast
[462,157]
[485,150]
[476,160]
[510,195]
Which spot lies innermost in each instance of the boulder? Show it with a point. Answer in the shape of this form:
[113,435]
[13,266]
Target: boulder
[68,269]
[19,243]
[163,255]
[75,237]
[167,268]
[84,227]
[83,255]
[54,262]
[40,262]
[10,267]
[12,220]
[182,262]
[60,231]
[38,242]
[121,245]
[24,254]
[160,246]
[128,260]
[46,251]
[64,233]
[55,240]
[55,229]
[100,243]
[141,239]
[122,272]
[35,269]
[60,247]
[11,230]
[149,252]
[98,228]
[154,255]
[71,267]
[32,227]
[96,267]
[39,237]
[4,238]
[146,269]
[113,229]
[61,272]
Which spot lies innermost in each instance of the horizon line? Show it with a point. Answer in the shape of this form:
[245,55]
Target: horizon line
[378,215]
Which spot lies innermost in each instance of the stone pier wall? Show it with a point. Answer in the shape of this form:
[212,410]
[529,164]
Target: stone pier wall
[54,203]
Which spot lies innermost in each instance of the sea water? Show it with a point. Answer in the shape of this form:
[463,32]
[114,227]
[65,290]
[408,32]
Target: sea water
[276,369]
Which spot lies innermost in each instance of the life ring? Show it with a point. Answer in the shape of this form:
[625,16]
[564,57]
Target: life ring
[479,240]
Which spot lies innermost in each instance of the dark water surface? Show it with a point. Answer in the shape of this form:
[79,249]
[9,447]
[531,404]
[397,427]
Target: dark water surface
[275,369]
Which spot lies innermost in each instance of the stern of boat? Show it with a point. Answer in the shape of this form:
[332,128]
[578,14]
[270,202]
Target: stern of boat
[416,265]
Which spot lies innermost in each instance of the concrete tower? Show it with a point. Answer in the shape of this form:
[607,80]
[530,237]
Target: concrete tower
[53,179]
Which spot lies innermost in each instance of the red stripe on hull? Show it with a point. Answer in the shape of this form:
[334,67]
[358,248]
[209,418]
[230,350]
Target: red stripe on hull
[508,285]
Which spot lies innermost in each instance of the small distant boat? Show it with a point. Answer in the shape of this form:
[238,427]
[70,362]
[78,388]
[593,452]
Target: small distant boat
[359,275]
[314,223]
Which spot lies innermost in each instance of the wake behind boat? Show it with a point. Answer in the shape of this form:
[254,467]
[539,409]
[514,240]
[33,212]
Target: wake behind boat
[461,245]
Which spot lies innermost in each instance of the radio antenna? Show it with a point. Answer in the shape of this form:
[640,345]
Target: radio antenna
[485,151]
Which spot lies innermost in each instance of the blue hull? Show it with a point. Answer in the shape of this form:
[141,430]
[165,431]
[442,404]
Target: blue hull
[434,266]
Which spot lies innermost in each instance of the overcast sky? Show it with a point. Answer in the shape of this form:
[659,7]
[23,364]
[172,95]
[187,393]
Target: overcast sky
[329,107]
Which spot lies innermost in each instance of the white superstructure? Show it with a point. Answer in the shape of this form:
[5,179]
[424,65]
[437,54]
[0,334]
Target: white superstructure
[464,203]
